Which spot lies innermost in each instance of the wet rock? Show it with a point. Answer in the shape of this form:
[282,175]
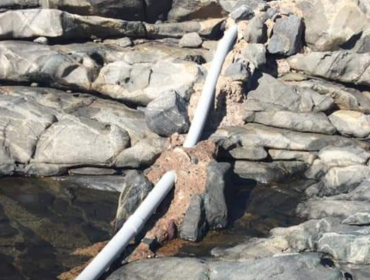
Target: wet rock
[237,72]
[256,54]
[33,62]
[136,188]
[142,83]
[304,122]
[256,31]
[267,173]
[248,153]
[342,156]
[52,23]
[324,14]
[44,169]
[287,36]
[105,183]
[191,40]
[292,155]
[75,141]
[93,171]
[167,114]
[155,10]
[214,198]
[351,123]
[275,138]
[243,12]
[270,94]
[342,66]
[194,225]
[142,154]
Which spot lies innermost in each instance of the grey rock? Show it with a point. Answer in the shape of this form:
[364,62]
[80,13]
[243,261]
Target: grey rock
[41,40]
[194,225]
[243,12]
[256,54]
[191,40]
[342,66]
[342,156]
[351,123]
[167,114]
[44,169]
[270,94]
[214,199]
[358,219]
[304,122]
[360,193]
[287,36]
[75,141]
[53,23]
[275,138]
[256,31]
[308,157]
[105,183]
[122,42]
[136,188]
[248,153]
[142,154]
[155,10]
[267,173]
[93,171]
[237,72]
[230,5]
[19,4]
[141,83]
[7,164]
[33,62]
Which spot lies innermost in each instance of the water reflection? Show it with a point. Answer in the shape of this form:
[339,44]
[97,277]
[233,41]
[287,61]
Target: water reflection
[42,222]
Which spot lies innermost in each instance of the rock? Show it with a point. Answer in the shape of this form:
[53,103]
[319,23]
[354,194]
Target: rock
[155,10]
[287,36]
[22,122]
[237,72]
[75,141]
[348,248]
[360,193]
[351,123]
[191,40]
[211,29]
[93,171]
[33,62]
[123,42]
[243,12]
[358,219]
[136,188]
[44,169]
[256,31]
[230,5]
[342,156]
[218,174]
[248,153]
[329,207]
[344,22]
[297,266]
[194,9]
[142,83]
[19,4]
[52,23]
[292,155]
[342,66]
[269,94]
[345,98]
[255,54]
[41,40]
[340,180]
[167,114]
[304,122]
[267,173]
[142,154]
[194,225]
[7,164]
[275,138]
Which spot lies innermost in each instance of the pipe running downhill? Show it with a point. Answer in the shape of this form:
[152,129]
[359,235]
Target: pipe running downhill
[134,224]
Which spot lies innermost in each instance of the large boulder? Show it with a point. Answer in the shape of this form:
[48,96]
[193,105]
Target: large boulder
[342,66]
[73,141]
[351,123]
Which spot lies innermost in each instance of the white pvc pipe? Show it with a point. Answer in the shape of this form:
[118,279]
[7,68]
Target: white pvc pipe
[136,221]
[131,227]
[207,98]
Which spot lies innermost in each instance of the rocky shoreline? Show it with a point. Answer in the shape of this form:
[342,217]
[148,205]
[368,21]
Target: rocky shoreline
[109,88]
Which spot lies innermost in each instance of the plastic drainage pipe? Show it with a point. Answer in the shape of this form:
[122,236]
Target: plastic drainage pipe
[136,221]
[208,92]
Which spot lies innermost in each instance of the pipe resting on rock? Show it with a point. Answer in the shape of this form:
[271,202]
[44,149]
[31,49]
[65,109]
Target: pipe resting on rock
[134,224]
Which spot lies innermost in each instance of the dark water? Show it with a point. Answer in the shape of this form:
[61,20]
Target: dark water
[42,222]
[256,209]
